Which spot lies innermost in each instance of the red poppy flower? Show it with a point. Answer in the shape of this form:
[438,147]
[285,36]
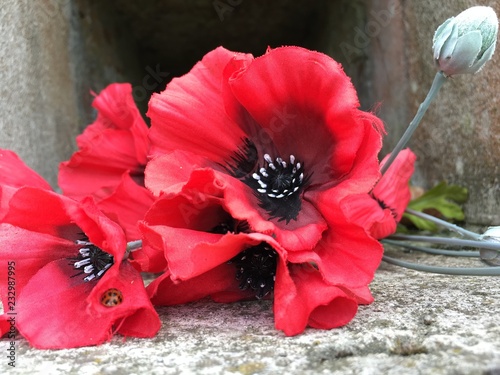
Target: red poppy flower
[192,236]
[206,252]
[73,286]
[282,133]
[382,209]
[112,156]
[10,182]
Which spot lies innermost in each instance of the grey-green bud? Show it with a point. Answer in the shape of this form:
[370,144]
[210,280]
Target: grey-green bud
[463,44]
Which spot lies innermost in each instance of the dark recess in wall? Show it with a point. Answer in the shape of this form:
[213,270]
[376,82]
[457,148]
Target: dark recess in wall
[172,35]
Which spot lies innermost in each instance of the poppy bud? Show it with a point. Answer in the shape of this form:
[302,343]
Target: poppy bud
[492,234]
[463,44]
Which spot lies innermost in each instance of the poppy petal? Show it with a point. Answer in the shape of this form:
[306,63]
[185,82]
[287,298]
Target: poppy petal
[204,129]
[310,302]
[219,282]
[116,142]
[127,205]
[30,251]
[23,176]
[318,95]
[52,311]
[363,210]
[393,188]
[134,315]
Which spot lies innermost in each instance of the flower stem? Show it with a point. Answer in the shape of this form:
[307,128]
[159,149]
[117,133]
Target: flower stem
[439,80]
[445,224]
[132,246]
[429,250]
[476,271]
[447,241]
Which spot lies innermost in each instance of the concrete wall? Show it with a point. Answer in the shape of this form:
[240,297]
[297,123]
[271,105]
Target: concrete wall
[55,51]
[459,138]
[38,106]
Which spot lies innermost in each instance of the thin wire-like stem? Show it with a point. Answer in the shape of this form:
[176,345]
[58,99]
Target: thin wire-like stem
[446,241]
[444,224]
[133,245]
[428,250]
[439,80]
[475,271]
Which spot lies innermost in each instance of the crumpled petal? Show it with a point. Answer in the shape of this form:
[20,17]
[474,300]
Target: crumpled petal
[305,299]
[115,143]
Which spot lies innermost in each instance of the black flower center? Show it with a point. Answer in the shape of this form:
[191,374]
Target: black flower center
[244,160]
[256,269]
[91,261]
[278,185]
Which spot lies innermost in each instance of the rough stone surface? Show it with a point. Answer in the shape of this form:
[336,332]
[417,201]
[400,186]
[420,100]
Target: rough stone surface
[419,324]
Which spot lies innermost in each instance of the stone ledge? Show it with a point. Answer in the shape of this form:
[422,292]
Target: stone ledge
[419,324]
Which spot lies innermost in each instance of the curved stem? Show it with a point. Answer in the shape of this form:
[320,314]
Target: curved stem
[447,241]
[479,271]
[428,250]
[439,80]
[444,224]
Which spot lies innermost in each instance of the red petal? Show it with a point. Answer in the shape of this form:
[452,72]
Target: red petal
[116,142]
[365,211]
[393,188]
[151,257]
[56,311]
[170,172]
[220,282]
[40,211]
[101,231]
[184,225]
[51,311]
[309,109]
[190,253]
[301,234]
[30,251]
[362,294]
[5,324]
[190,115]
[127,205]
[14,173]
[44,211]
[309,302]
[135,316]
[117,110]
[98,164]
[346,256]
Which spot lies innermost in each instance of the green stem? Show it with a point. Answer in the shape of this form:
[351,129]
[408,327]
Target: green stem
[479,271]
[428,250]
[439,80]
[444,224]
[446,241]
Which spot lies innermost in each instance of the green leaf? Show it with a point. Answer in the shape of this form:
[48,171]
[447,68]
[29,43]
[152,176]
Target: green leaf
[442,198]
